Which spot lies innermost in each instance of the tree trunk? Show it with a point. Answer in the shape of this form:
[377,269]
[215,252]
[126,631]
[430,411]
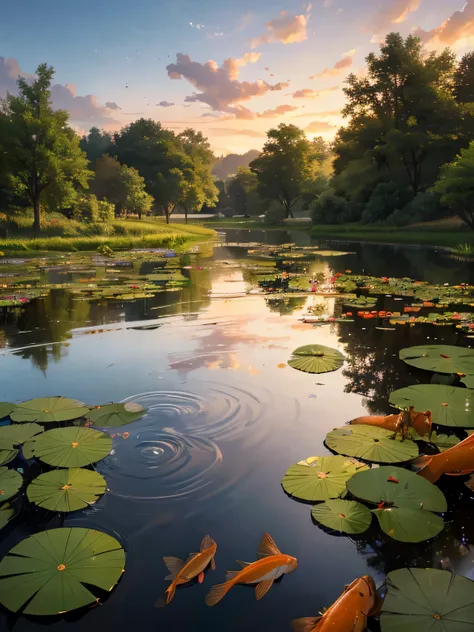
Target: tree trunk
[167,213]
[139,214]
[185,215]
[37,214]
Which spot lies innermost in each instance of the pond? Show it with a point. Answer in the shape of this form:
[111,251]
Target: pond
[226,418]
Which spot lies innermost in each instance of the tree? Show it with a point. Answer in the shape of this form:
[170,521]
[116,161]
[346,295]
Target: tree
[456,185]
[243,191]
[96,144]
[464,79]
[286,165]
[136,200]
[43,151]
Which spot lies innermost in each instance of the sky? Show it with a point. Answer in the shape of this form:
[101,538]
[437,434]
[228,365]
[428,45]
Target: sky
[230,69]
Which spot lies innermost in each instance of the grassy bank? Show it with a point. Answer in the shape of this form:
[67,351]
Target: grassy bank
[121,235]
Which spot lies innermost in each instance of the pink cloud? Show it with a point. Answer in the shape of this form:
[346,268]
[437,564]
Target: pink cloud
[287,29]
[280,110]
[339,67]
[316,127]
[460,26]
[307,93]
[394,12]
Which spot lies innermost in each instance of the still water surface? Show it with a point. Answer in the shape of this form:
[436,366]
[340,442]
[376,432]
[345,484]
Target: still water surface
[224,423]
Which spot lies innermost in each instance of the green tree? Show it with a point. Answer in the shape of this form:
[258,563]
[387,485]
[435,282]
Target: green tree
[43,151]
[136,200]
[456,185]
[96,144]
[288,162]
[243,191]
[464,79]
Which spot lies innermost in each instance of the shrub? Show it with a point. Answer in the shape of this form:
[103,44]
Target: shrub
[386,198]
[86,209]
[105,212]
[330,208]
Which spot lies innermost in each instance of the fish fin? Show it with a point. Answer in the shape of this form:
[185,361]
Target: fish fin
[231,574]
[267,547]
[206,542]
[191,556]
[427,468]
[166,598]
[262,588]
[201,577]
[213,564]
[169,578]
[243,564]
[174,565]
[307,624]
[460,473]
[217,593]
[377,607]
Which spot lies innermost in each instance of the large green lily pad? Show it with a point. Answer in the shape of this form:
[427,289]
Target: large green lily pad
[52,571]
[114,415]
[13,437]
[49,409]
[320,477]
[346,516]
[316,359]
[69,447]
[397,487]
[468,381]
[443,441]
[440,358]
[409,525]
[371,443]
[449,405]
[10,483]
[427,599]
[66,490]
[6,408]
[6,514]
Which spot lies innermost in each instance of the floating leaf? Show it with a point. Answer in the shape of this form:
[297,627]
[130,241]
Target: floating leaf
[6,408]
[69,447]
[49,409]
[468,381]
[440,358]
[52,571]
[443,441]
[361,302]
[371,443]
[449,405]
[395,486]
[409,525]
[320,477]
[6,514]
[427,599]
[316,359]
[13,437]
[66,490]
[10,483]
[346,516]
[114,415]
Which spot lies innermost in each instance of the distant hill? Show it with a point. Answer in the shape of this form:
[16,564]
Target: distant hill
[228,165]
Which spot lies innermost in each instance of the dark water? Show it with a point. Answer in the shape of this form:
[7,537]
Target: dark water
[224,424]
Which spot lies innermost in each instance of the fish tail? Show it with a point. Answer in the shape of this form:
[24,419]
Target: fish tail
[167,597]
[307,624]
[426,466]
[217,593]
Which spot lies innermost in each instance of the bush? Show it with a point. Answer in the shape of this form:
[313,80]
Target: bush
[425,207]
[387,197]
[86,209]
[330,208]
[105,212]
[275,214]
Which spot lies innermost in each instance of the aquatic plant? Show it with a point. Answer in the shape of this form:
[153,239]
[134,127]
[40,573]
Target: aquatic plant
[316,359]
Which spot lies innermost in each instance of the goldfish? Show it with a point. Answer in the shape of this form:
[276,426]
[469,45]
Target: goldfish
[183,572]
[271,565]
[455,461]
[348,613]
[420,422]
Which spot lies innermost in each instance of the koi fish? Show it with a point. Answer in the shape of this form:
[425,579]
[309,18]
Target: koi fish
[183,572]
[271,565]
[455,461]
[420,422]
[348,613]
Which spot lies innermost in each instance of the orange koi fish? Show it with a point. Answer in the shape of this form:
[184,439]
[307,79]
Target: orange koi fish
[455,461]
[183,572]
[348,613]
[271,565]
[420,422]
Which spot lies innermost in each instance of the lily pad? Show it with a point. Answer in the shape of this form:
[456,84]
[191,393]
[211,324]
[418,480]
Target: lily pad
[6,514]
[449,405]
[409,525]
[320,477]
[10,483]
[13,437]
[66,490]
[53,571]
[69,447]
[361,302]
[6,408]
[346,516]
[371,444]
[395,486]
[443,441]
[49,409]
[427,599]
[114,415]
[468,381]
[440,358]
[316,359]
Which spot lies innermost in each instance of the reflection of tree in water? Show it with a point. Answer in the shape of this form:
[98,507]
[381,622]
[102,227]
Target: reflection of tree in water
[287,305]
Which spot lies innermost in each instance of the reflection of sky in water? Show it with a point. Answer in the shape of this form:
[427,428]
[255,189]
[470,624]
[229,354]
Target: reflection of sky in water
[224,424]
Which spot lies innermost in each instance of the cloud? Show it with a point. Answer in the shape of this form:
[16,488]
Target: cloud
[307,93]
[456,29]
[218,86]
[84,112]
[327,3]
[339,67]
[218,131]
[327,114]
[245,21]
[394,12]
[280,110]
[165,104]
[316,127]
[287,29]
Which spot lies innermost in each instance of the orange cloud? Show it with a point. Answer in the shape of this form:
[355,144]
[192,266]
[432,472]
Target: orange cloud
[287,29]
[307,93]
[459,27]
[219,131]
[339,67]
[328,114]
[233,66]
[394,12]
[280,110]
[319,126]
